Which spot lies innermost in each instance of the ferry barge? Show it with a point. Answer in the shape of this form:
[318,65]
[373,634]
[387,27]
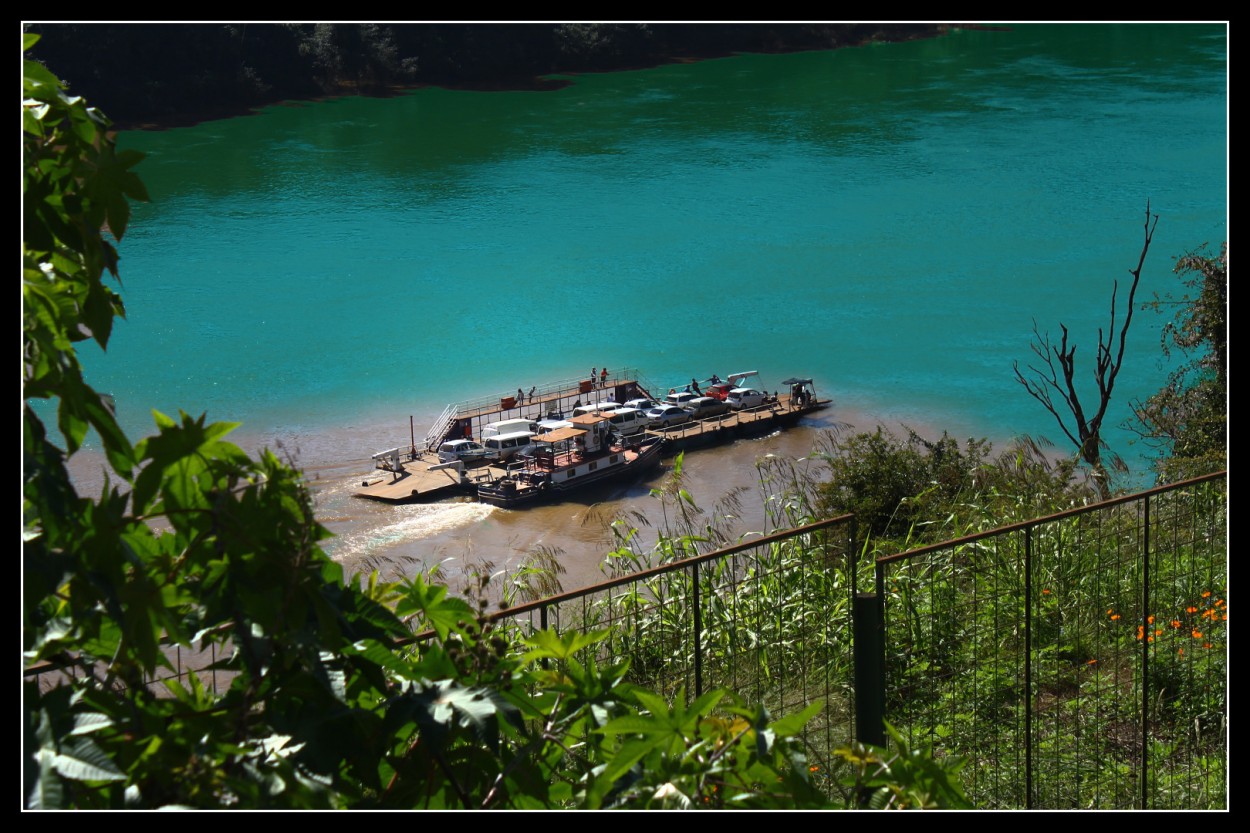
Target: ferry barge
[414,473]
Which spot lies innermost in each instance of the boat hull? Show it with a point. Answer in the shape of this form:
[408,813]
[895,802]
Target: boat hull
[526,489]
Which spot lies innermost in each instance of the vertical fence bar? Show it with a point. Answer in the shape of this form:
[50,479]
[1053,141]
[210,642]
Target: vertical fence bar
[1145,654]
[542,622]
[698,632]
[1028,668]
[852,557]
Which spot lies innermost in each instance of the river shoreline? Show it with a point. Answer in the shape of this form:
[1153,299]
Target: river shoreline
[559,74]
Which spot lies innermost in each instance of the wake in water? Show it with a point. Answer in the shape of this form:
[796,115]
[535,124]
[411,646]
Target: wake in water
[377,543]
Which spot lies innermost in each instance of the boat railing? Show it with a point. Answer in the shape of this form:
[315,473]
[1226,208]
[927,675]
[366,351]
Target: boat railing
[559,388]
[772,406]
[713,423]
[440,427]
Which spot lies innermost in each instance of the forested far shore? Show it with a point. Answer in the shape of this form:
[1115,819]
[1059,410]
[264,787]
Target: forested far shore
[147,75]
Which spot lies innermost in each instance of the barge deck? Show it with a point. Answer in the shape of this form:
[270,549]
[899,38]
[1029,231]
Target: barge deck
[413,473]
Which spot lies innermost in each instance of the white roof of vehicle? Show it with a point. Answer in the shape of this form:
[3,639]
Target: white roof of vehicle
[511,436]
[559,435]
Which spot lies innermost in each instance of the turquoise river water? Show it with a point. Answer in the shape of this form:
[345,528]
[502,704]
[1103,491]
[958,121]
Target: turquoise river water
[889,220]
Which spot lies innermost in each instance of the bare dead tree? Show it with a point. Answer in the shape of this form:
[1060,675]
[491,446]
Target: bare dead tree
[1052,382]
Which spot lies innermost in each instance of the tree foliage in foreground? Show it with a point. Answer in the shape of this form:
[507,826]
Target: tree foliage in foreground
[312,692]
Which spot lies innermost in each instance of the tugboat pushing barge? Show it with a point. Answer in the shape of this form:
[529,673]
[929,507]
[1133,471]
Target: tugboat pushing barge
[569,459]
[582,452]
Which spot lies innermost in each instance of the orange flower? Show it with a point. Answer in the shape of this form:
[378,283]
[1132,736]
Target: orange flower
[1115,616]
[1110,610]
[1140,631]
[1045,592]
[1150,620]
[1197,634]
[1224,617]
[1158,631]
[1206,645]
[1180,652]
[1206,594]
[1092,662]
[1191,610]
[1176,623]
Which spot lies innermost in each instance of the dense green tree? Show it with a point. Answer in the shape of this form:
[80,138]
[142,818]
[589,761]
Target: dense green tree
[916,490]
[358,56]
[1186,421]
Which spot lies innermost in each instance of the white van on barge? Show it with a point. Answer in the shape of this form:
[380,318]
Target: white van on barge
[503,447]
[509,426]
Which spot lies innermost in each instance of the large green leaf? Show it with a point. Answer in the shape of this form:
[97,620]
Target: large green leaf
[441,612]
[85,723]
[550,645]
[630,753]
[792,724]
[38,82]
[46,792]
[83,760]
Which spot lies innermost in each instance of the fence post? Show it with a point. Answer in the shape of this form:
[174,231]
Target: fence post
[1028,668]
[869,657]
[1145,656]
[698,633]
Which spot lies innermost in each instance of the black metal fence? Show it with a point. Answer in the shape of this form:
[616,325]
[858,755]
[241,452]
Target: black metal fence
[769,619]
[1074,661]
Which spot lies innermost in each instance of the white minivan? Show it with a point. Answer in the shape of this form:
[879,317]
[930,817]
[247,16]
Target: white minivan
[548,425]
[502,447]
[509,426]
[600,408]
[627,421]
